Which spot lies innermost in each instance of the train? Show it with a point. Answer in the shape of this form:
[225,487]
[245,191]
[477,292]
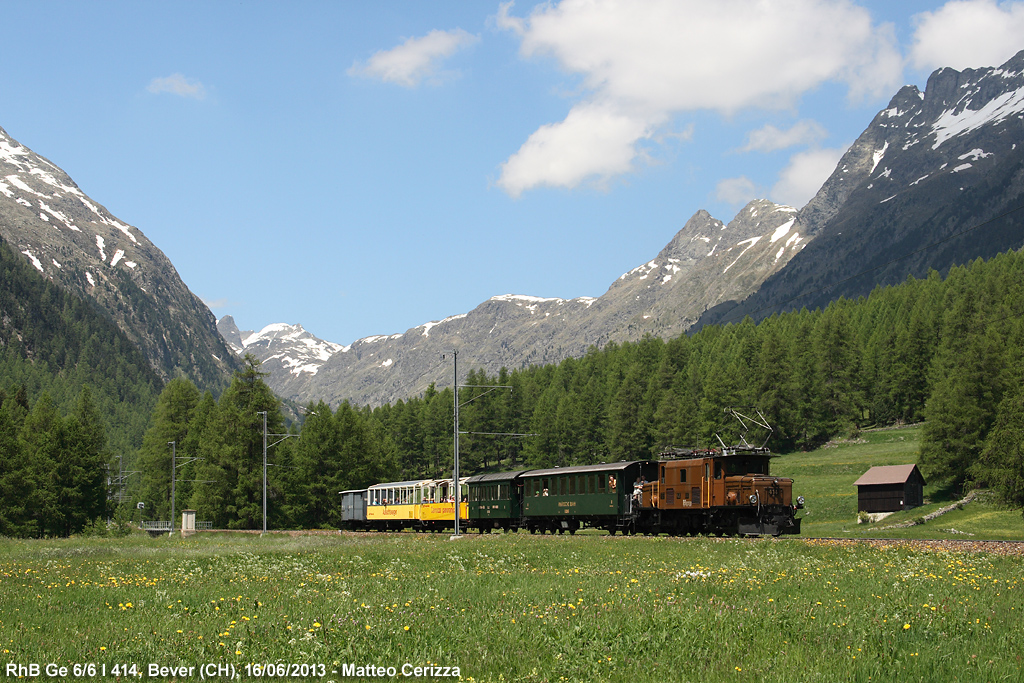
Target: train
[725,491]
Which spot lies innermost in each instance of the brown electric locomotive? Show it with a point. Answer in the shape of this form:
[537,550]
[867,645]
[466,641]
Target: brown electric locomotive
[723,491]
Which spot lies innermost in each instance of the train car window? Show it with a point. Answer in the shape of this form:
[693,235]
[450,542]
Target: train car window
[561,485]
[662,474]
[572,486]
[611,483]
[590,483]
[718,470]
[600,483]
[682,475]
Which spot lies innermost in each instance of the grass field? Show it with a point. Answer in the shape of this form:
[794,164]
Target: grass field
[825,478]
[515,607]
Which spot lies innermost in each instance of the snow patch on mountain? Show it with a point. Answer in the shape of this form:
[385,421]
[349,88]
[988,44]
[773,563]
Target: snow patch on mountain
[291,345]
[34,260]
[957,121]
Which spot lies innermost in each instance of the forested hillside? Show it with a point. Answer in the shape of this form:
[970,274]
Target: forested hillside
[75,395]
[949,352]
[54,342]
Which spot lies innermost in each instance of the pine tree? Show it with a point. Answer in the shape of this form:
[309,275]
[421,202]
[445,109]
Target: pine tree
[319,467]
[965,388]
[17,485]
[232,449]
[39,438]
[170,422]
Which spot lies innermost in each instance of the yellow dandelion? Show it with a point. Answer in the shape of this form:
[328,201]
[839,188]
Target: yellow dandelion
[906,626]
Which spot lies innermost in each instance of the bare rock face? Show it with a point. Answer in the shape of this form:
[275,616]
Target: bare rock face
[929,165]
[705,263]
[75,242]
[928,185]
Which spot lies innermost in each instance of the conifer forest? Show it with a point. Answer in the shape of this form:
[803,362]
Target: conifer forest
[946,351]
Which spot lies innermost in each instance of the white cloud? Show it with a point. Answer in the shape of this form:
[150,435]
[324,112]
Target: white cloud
[769,138]
[804,176]
[642,63]
[968,34]
[415,59]
[602,143]
[178,84]
[736,190]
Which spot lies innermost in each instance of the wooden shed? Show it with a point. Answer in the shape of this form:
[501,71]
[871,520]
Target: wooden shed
[890,488]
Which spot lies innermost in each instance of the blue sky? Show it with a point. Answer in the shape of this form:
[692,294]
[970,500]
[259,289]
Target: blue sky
[363,168]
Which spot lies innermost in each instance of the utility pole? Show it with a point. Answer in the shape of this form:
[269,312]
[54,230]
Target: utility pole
[264,413]
[174,475]
[455,384]
[455,474]
[265,447]
[174,467]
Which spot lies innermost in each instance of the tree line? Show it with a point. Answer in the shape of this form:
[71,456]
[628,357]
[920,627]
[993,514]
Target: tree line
[946,351]
[53,468]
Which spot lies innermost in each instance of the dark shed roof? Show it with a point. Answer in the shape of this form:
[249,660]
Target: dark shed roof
[494,476]
[888,474]
[583,469]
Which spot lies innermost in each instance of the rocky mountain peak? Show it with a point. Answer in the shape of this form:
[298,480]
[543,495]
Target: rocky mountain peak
[76,242]
[909,194]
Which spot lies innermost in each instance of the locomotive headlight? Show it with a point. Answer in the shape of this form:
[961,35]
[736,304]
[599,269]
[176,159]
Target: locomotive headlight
[753,499]
[799,502]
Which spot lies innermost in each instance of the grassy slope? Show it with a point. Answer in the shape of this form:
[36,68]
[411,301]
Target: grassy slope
[825,479]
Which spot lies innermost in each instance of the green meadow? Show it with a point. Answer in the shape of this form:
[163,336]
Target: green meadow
[512,607]
[516,607]
[825,477]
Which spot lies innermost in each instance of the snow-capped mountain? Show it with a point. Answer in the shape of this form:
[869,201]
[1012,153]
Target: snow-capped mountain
[706,263]
[288,352]
[928,166]
[76,242]
[936,179]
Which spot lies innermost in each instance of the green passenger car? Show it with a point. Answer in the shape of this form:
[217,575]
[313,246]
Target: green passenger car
[495,501]
[566,498]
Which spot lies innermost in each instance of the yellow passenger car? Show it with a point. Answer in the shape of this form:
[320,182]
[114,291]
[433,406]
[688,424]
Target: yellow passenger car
[422,504]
